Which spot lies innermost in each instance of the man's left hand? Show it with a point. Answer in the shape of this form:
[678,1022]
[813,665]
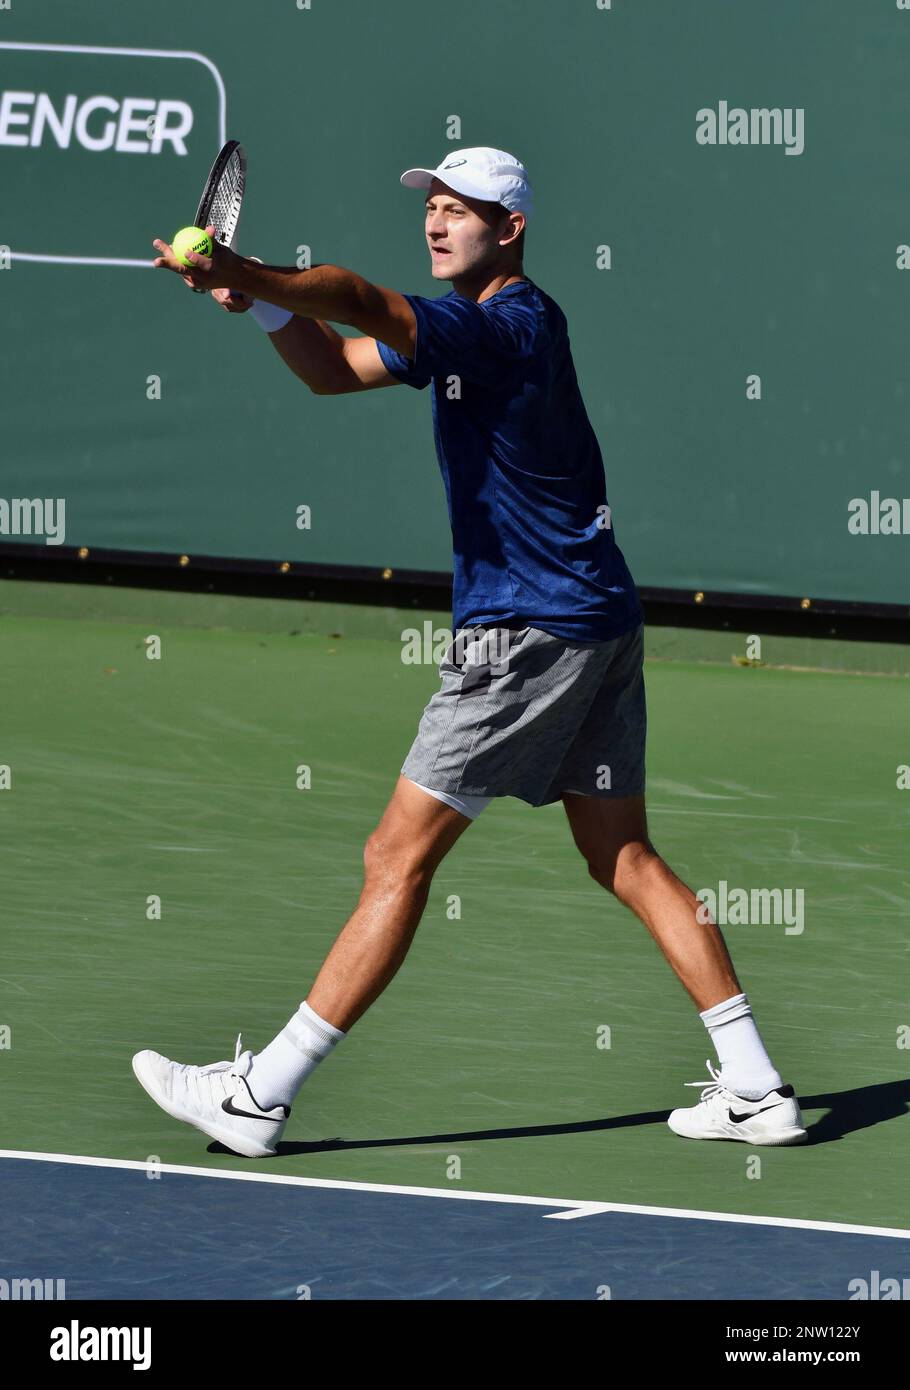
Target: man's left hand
[214,272]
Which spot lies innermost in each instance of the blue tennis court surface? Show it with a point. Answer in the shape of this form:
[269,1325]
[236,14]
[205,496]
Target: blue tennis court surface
[116,1233]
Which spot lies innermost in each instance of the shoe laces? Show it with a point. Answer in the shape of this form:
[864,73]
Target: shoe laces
[219,1072]
[714,1089]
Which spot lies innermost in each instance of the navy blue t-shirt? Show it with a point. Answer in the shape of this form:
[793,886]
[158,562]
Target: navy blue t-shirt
[521,466]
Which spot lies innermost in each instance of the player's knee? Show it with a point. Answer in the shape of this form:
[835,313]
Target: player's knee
[389,858]
[620,870]
[375,855]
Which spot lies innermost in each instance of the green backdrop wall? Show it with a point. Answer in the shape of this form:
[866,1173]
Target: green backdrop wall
[727,260]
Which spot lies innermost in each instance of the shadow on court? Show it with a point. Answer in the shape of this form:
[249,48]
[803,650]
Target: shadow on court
[848,1112]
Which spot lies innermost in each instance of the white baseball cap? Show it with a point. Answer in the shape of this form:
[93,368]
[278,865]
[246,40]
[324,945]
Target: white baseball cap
[492,175]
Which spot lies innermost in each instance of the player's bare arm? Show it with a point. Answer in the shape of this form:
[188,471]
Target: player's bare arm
[336,294]
[327,362]
[328,292]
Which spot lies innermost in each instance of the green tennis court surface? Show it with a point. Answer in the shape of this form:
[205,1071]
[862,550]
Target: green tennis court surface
[480,1067]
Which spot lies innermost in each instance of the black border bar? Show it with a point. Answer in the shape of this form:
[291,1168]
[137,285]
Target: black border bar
[776,615]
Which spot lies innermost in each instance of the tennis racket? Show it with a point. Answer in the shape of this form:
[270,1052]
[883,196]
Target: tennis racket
[223,195]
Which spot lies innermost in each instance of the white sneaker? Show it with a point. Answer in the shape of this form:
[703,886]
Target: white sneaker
[215,1099]
[720,1114]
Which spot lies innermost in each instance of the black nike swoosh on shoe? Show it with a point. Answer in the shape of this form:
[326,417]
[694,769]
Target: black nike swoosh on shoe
[230,1108]
[737,1119]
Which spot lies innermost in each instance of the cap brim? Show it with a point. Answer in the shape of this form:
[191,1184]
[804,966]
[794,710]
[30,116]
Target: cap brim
[418,178]
[422,178]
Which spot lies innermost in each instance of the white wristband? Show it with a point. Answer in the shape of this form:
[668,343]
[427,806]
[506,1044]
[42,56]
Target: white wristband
[269,316]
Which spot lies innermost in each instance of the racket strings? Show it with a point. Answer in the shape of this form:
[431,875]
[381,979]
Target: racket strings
[224,204]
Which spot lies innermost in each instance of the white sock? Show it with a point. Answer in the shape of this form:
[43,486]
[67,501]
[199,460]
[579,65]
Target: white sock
[745,1067]
[279,1070]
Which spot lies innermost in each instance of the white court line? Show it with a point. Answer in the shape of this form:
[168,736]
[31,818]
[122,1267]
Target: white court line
[575,1207]
[79,260]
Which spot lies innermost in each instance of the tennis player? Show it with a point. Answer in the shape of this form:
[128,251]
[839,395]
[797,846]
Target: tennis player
[541,695]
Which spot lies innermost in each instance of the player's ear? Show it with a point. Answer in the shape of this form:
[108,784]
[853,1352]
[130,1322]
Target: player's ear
[512,226]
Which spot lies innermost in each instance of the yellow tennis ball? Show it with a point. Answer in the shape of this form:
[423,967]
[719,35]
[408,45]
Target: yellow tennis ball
[191,239]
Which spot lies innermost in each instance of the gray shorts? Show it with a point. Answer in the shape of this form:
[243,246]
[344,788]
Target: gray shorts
[523,713]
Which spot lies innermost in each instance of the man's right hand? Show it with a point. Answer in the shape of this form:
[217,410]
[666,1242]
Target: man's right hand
[232,301]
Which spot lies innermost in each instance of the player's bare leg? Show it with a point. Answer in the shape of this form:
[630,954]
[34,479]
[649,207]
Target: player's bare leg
[746,1099]
[245,1104]
[400,859]
[612,836]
